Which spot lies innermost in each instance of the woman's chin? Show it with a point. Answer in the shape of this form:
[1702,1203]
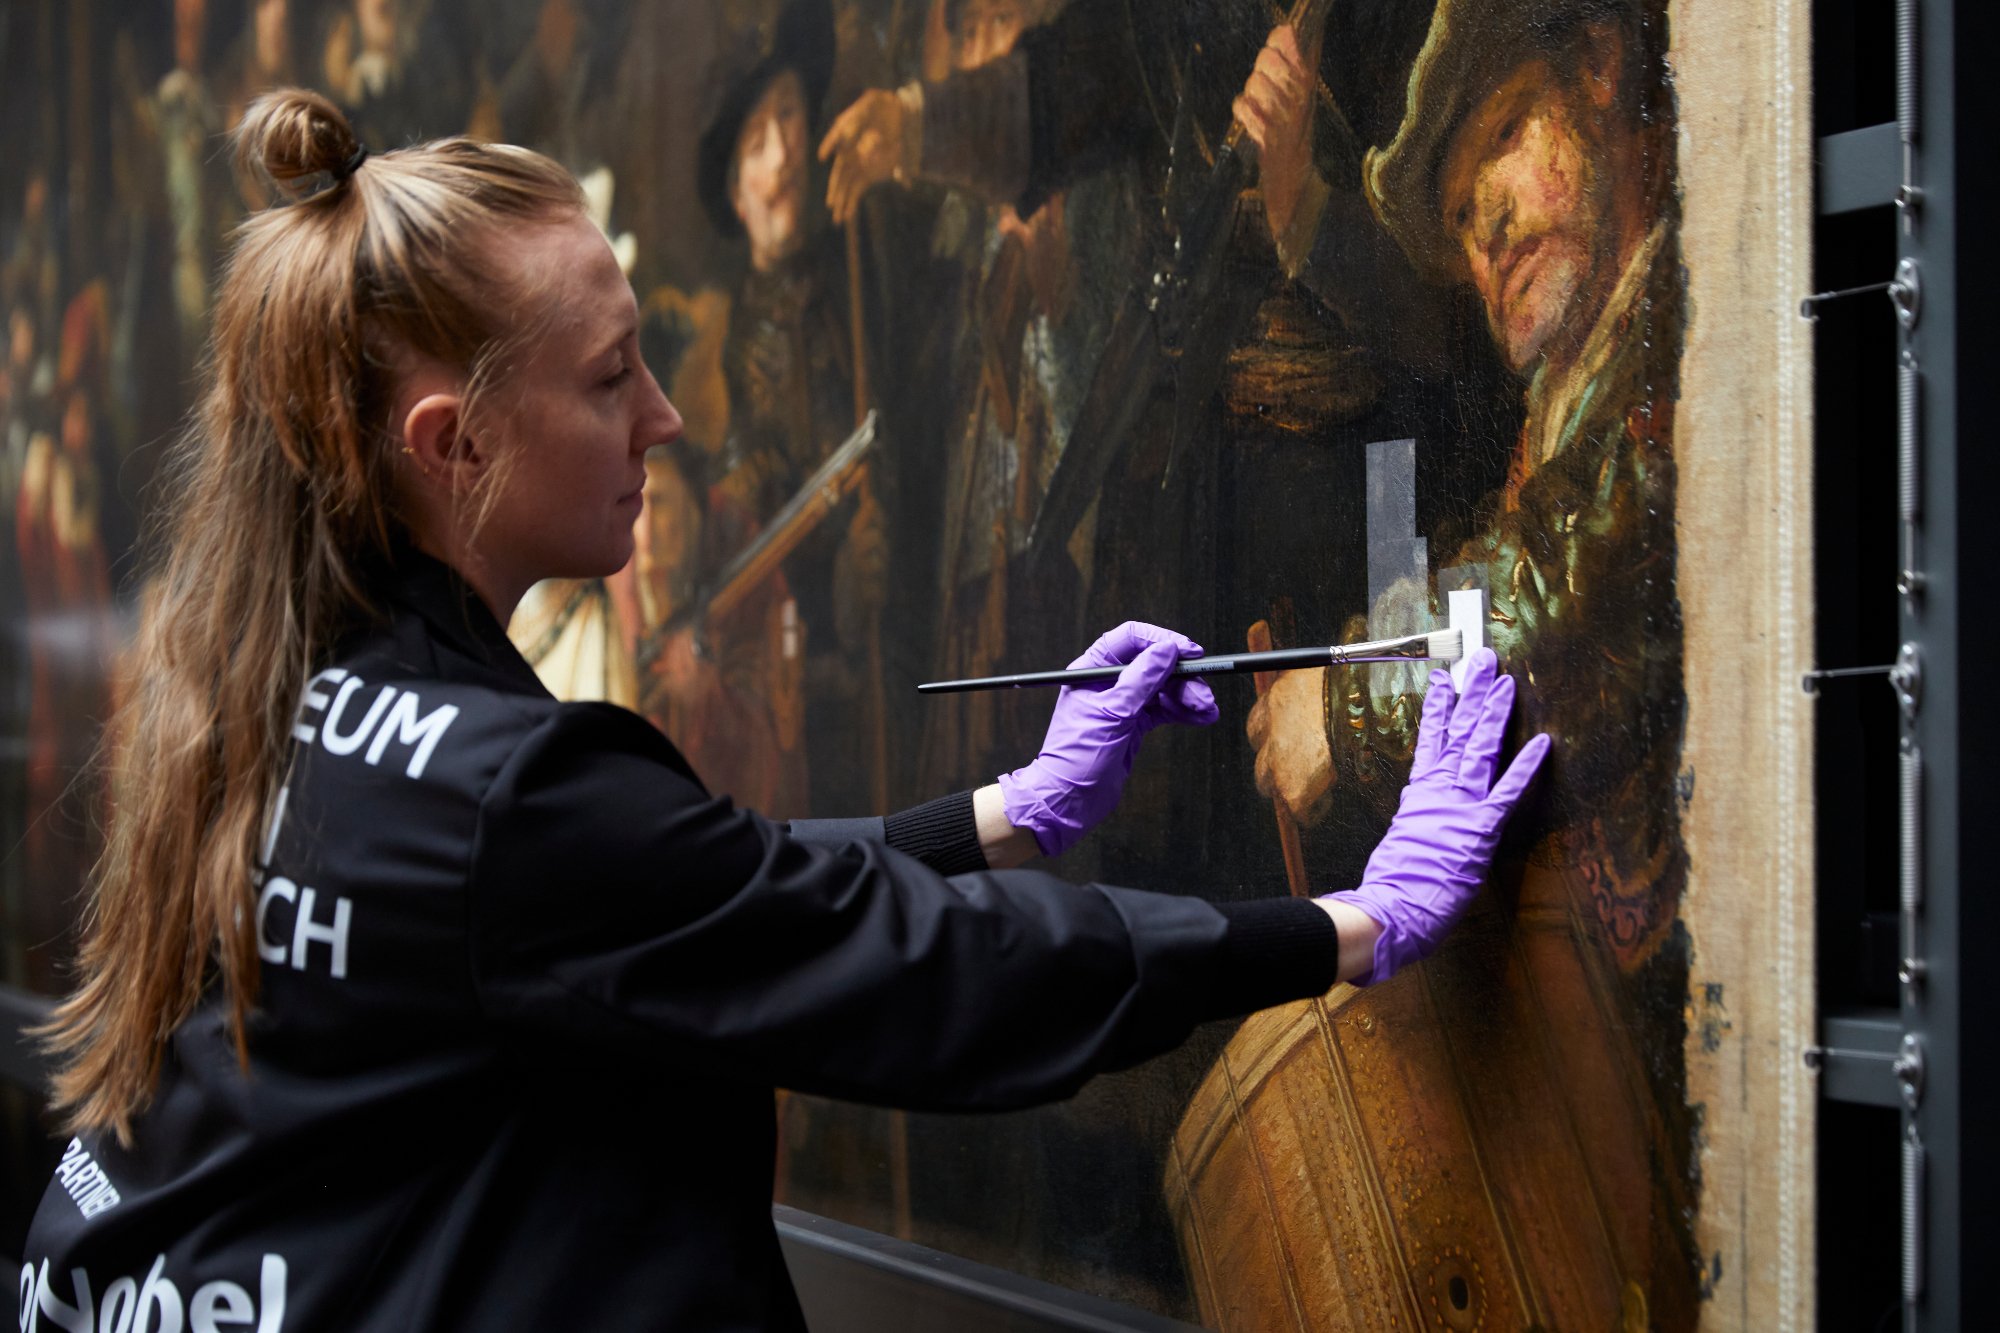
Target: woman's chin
[598,564]
[619,557]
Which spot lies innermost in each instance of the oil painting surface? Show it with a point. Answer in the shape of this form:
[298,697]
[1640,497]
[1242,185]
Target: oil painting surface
[995,323]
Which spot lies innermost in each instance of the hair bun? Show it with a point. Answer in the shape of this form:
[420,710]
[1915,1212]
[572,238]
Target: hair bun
[293,137]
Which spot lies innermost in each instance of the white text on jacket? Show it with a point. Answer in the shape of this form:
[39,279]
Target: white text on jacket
[153,1305]
[392,719]
[306,930]
[85,1180]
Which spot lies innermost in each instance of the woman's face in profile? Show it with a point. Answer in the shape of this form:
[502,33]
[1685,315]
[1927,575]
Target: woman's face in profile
[575,415]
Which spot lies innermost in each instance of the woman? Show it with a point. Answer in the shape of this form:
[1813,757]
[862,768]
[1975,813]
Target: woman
[412,998]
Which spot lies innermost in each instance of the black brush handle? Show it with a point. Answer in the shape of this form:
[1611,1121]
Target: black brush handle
[1235,664]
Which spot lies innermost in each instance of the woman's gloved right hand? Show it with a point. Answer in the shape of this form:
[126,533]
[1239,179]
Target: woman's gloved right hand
[1430,864]
[1095,732]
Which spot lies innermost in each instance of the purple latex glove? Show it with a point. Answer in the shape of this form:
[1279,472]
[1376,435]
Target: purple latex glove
[1095,734]
[1430,864]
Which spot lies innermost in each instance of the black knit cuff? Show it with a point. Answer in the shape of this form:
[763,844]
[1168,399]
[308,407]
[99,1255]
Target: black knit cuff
[941,833]
[1277,949]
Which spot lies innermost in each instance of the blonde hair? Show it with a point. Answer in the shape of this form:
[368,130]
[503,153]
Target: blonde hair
[280,497]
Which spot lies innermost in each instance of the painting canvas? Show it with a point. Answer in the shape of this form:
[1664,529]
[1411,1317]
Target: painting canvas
[995,323]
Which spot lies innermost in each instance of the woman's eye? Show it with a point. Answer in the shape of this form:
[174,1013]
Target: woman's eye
[616,378]
[1507,131]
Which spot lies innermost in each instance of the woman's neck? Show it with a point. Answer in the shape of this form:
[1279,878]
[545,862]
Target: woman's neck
[500,593]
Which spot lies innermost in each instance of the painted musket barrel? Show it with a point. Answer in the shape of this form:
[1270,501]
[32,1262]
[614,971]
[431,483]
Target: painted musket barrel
[1468,1146]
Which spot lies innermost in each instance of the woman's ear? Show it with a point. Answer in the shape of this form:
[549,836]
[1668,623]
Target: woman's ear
[437,441]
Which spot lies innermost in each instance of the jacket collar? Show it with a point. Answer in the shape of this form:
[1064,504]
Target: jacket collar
[454,614]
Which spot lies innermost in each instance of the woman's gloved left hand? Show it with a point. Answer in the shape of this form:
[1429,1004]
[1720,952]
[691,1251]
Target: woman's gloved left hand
[1429,866]
[1095,733]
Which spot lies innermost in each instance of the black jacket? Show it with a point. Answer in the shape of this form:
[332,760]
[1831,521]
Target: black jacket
[527,988]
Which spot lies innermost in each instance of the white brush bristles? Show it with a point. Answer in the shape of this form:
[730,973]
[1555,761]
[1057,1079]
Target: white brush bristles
[1446,645]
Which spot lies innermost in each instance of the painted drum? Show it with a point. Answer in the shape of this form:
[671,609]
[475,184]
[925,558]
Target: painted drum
[1468,1146]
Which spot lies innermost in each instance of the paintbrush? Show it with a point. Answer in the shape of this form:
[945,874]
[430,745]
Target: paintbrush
[1442,645]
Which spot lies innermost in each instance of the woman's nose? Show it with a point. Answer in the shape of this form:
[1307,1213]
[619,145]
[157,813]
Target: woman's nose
[667,425]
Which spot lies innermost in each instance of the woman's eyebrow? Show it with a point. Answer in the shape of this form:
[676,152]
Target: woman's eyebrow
[610,345]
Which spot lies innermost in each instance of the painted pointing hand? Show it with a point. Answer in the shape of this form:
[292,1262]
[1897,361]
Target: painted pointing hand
[1430,864]
[1095,733]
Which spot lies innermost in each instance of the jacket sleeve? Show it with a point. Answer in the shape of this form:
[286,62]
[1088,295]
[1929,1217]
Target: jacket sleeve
[1071,99]
[943,834]
[618,909]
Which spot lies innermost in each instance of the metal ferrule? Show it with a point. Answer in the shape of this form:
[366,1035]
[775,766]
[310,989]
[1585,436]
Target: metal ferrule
[1409,648]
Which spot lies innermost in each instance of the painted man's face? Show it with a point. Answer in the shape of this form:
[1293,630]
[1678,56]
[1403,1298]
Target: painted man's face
[771,166]
[1526,200]
[988,29]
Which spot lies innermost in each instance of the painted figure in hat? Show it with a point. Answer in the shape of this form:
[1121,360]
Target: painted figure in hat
[1327,334]
[1535,165]
[794,394]
[1102,84]
[1023,348]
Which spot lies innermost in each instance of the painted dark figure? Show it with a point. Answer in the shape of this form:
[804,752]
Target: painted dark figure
[1023,341]
[66,578]
[1535,167]
[1324,338]
[1318,334]
[801,675]
[798,380]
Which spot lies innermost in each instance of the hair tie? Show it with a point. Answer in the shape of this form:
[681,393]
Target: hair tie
[353,163]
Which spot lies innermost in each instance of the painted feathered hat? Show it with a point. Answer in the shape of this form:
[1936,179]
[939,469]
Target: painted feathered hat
[1472,47]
